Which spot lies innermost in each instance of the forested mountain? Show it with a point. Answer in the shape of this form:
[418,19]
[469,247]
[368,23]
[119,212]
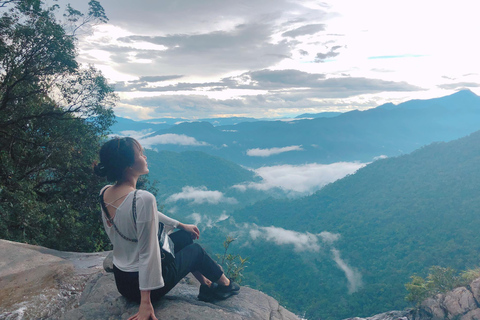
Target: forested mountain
[395,217]
[173,171]
[389,129]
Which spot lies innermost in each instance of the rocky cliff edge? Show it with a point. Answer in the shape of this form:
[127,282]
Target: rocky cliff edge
[40,283]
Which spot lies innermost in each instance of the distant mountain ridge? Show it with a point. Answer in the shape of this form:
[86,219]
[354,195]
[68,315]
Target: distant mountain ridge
[319,115]
[353,136]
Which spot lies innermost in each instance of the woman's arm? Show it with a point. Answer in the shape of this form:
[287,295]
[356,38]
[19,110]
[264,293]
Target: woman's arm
[190,228]
[146,311]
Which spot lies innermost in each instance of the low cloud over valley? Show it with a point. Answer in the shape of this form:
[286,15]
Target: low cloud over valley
[302,179]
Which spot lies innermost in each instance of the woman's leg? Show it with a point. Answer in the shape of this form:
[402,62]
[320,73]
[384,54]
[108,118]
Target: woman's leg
[127,284]
[181,239]
[201,278]
[189,257]
[193,258]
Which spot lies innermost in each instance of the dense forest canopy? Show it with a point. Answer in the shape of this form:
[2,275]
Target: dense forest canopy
[53,114]
[395,217]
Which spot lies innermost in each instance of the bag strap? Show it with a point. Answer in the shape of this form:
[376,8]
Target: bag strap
[134,208]
[107,215]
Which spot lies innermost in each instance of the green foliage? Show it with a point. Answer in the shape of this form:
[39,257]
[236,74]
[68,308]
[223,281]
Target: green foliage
[470,275]
[53,115]
[438,280]
[233,265]
[417,290]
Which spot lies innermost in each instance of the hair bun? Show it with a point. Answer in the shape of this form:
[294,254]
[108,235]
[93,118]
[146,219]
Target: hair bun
[100,170]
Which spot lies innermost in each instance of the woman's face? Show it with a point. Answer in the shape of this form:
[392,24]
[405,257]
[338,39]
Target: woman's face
[140,165]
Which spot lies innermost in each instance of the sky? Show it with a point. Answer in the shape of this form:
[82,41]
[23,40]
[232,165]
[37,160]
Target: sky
[279,58]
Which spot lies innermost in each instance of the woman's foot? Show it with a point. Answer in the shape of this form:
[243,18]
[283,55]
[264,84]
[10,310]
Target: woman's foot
[222,292]
[207,293]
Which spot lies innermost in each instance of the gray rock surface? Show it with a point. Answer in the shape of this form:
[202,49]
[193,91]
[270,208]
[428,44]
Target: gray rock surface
[39,283]
[459,304]
[392,315]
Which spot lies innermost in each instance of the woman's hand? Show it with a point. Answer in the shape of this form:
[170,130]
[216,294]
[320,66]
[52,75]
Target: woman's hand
[146,311]
[190,228]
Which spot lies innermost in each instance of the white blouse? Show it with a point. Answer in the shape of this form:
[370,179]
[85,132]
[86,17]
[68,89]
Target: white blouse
[142,256]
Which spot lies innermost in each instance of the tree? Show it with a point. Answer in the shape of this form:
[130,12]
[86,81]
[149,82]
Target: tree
[53,115]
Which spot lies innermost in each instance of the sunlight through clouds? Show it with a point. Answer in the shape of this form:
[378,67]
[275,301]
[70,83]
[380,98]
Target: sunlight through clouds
[218,49]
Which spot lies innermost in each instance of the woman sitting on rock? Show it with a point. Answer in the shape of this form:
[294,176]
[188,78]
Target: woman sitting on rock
[147,262]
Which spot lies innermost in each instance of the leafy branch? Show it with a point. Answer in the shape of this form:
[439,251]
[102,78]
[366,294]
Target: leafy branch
[233,265]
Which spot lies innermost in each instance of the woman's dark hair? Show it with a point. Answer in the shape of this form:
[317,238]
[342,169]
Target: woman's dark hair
[115,156]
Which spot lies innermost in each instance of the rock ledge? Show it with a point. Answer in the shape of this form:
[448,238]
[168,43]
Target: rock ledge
[40,283]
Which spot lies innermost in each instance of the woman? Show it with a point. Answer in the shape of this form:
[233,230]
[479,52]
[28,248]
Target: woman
[145,268]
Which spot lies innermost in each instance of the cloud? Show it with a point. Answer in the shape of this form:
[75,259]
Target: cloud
[321,57]
[159,78]
[459,85]
[272,104]
[302,179]
[353,276]
[144,83]
[300,241]
[148,49]
[171,138]
[274,80]
[135,134]
[196,217]
[206,221]
[246,46]
[202,16]
[199,195]
[267,92]
[329,237]
[380,157]
[308,242]
[304,30]
[272,151]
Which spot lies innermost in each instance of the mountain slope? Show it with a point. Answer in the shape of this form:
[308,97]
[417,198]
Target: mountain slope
[174,170]
[396,217]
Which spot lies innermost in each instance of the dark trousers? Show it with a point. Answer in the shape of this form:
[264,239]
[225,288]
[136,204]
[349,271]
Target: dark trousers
[189,257]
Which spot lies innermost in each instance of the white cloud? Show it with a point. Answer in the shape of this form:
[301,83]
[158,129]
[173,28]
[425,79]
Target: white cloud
[171,138]
[380,157]
[135,134]
[329,237]
[206,221]
[308,242]
[199,195]
[224,216]
[301,241]
[303,179]
[257,152]
[196,217]
[353,276]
